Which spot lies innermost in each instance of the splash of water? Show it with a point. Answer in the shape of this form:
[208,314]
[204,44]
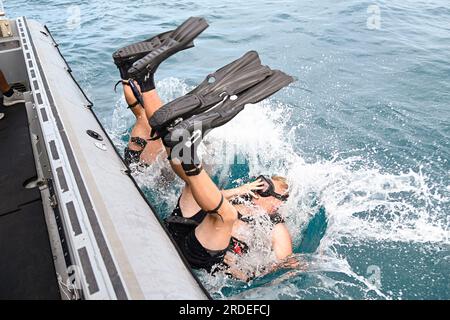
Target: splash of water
[363,201]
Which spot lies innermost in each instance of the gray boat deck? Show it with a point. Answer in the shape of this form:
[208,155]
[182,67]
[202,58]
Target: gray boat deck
[26,262]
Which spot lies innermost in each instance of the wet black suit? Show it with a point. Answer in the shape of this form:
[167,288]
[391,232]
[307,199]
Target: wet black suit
[183,231]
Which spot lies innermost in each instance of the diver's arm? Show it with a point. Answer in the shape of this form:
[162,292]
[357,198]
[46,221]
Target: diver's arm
[281,241]
[288,263]
[282,247]
[233,271]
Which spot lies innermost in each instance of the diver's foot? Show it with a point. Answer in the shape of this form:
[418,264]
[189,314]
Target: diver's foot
[125,57]
[2,115]
[133,52]
[16,98]
[139,61]
[196,127]
[232,79]
[191,130]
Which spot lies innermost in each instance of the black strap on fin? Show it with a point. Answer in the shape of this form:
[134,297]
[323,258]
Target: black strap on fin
[117,83]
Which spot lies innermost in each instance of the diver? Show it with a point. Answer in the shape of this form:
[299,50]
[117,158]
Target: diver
[207,222]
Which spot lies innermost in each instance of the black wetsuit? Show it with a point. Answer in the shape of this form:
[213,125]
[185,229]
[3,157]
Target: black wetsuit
[183,231]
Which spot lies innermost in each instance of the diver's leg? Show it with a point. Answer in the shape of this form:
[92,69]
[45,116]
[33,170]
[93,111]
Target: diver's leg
[188,205]
[214,232]
[140,132]
[200,192]
[141,128]
[152,102]
[177,168]
[151,151]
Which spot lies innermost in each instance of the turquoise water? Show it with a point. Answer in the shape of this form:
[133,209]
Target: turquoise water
[363,135]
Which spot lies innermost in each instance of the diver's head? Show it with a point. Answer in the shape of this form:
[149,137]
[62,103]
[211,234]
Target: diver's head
[273,195]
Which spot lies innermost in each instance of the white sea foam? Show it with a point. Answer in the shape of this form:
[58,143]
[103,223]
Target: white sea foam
[396,207]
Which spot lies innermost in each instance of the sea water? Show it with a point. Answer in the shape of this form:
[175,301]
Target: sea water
[363,136]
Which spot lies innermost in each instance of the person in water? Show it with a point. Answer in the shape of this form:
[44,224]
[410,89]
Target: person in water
[207,222]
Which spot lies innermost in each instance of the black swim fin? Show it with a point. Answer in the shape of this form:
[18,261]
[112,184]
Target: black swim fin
[181,38]
[197,126]
[126,56]
[139,61]
[229,80]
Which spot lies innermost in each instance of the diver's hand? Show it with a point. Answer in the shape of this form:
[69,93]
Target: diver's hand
[289,263]
[250,189]
[246,189]
[231,261]
[292,262]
